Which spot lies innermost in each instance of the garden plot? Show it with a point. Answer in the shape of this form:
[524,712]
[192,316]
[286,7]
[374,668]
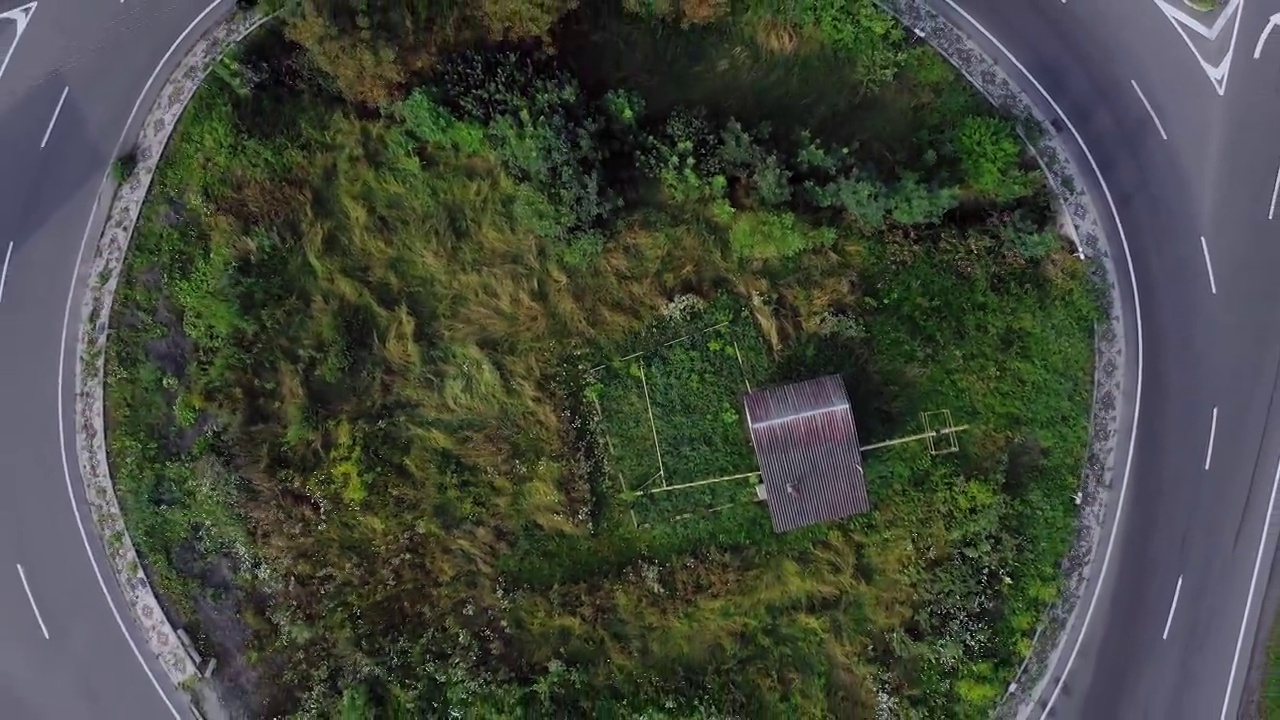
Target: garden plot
[672,421]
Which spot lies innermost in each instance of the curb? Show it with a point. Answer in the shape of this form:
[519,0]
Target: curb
[161,637]
[1086,232]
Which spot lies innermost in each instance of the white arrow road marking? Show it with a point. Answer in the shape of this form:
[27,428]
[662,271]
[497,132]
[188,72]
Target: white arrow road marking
[1257,50]
[20,16]
[1174,12]
[1234,9]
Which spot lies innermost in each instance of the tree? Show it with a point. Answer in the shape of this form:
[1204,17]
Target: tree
[745,157]
[863,200]
[914,203]
[544,128]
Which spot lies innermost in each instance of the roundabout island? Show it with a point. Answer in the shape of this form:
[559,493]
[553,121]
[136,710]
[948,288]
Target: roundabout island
[400,354]
[478,359]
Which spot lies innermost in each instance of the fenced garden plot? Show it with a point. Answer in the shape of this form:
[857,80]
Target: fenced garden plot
[696,501]
[671,417]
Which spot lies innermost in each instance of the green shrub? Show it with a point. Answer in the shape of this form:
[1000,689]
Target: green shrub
[990,154]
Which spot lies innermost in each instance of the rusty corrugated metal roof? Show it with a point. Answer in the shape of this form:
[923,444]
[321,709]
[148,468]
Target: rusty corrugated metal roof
[807,445]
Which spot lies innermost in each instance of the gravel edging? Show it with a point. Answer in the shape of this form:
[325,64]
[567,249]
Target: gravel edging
[1086,231]
[95,314]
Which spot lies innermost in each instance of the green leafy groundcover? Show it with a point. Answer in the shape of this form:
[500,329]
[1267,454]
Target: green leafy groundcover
[372,388]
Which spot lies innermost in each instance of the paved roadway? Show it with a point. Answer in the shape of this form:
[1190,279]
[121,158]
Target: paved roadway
[1173,623]
[93,663]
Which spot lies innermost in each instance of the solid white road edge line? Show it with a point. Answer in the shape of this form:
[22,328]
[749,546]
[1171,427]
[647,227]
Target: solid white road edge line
[4,269]
[1248,603]
[54,119]
[1213,430]
[62,357]
[1137,311]
[1213,287]
[1274,190]
[1174,606]
[1150,109]
[32,600]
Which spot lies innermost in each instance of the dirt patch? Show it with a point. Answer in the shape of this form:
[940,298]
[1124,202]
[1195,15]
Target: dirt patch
[174,213]
[184,439]
[216,609]
[220,616]
[172,352]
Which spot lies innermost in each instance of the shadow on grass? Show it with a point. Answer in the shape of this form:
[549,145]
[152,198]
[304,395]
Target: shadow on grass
[741,68]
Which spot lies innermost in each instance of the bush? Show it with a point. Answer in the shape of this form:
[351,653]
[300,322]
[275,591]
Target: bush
[990,154]
[122,167]
[546,132]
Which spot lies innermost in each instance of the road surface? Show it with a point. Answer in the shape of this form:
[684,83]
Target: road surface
[72,73]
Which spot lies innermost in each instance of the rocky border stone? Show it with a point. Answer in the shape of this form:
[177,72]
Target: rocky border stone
[1081,222]
[95,313]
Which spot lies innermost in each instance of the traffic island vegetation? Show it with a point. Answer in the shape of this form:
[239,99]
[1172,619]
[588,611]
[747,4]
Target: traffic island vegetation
[1206,5]
[411,323]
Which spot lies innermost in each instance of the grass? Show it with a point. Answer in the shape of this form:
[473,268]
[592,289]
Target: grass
[352,409]
[670,415]
[685,393]
[1270,700]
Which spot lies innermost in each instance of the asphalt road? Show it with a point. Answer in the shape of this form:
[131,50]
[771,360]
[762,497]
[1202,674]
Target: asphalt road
[68,647]
[1191,173]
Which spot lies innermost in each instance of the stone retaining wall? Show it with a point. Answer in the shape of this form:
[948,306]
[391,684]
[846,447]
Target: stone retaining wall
[1087,233]
[108,255]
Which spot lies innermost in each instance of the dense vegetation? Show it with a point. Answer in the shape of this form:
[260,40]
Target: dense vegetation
[410,317]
